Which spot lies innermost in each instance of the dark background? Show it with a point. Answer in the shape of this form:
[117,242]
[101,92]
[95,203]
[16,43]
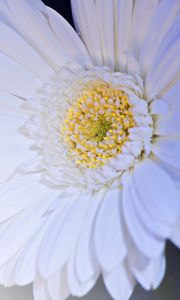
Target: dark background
[63,7]
[170,288]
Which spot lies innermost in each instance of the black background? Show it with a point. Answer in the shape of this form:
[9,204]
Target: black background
[63,7]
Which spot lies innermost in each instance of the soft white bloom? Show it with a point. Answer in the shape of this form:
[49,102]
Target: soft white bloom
[89,145]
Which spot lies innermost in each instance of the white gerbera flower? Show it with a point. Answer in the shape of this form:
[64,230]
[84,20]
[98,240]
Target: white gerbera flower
[89,145]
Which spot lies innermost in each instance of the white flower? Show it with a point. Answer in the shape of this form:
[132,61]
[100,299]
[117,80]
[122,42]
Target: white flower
[89,145]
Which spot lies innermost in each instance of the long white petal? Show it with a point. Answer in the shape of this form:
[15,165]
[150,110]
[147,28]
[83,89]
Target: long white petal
[16,79]
[86,22]
[12,199]
[119,282]
[148,243]
[172,97]
[76,287]
[152,275]
[8,276]
[86,245]
[50,239]
[161,21]
[142,14]
[168,149]
[169,125]
[124,12]
[106,19]
[67,229]
[21,51]
[58,286]
[27,222]
[109,220]
[153,224]
[15,148]
[40,289]
[157,191]
[26,267]
[159,81]
[68,38]
[33,26]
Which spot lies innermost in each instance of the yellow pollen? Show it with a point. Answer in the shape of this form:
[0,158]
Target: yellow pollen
[97,124]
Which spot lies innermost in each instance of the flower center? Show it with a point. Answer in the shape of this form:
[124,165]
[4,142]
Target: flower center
[89,127]
[97,124]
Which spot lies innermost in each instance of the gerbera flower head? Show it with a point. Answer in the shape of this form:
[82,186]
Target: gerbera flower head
[90,143]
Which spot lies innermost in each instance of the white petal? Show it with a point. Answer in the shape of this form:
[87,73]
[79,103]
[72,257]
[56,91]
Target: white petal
[5,15]
[11,107]
[157,191]
[149,220]
[159,107]
[173,173]
[14,147]
[13,152]
[27,222]
[124,12]
[86,261]
[40,289]
[159,81]
[137,261]
[76,287]
[143,12]
[152,275]
[86,22]
[68,38]
[109,220]
[2,269]
[14,78]
[106,19]
[171,38]
[26,267]
[8,278]
[168,149]
[61,239]
[161,21]
[10,123]
[33,26]
[14,143]
[11,119]
[169,125]
[17,48]
[50,240]
[119,283]
[172,97]
[14,197]
[148,272]
[147,243]
[58,286]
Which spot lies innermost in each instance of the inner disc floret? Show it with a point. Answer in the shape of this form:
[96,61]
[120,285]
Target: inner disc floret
[96,125]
